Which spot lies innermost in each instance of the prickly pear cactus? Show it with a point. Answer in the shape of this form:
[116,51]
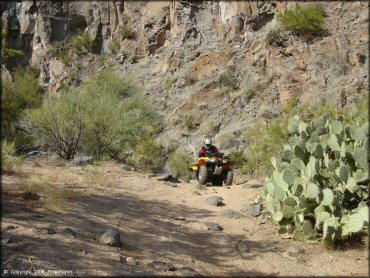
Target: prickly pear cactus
[319,187]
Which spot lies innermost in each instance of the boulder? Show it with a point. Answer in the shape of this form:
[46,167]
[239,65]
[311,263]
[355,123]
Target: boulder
[231,214]
[83,160]
[187,272]
[214,201]
[212,226]
[162,266]
[252,211]
[293,249]
[110,237]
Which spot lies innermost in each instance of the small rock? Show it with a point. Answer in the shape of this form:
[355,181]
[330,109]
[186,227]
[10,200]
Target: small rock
[69,232]
[180,218]
[292,249]
[214,201]
[128,260]
[170,183]
[32,153]
[196,193]
[187,272]
[253,184]
[110,237]
[248,186]
[252,211]
[10,227]
[152,175]
[83,160]
[48,231]
[126,168]
[212,226]
[231,214]
[240,181]
[39,216]
[162,266]
[269,232]
[5,241]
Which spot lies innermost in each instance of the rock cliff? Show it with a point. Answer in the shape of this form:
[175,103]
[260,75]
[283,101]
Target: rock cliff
[179,49]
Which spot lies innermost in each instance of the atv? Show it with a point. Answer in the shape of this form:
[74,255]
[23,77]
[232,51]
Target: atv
[215,168]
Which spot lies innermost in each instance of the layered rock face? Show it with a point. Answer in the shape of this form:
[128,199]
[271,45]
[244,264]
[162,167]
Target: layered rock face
[192,43]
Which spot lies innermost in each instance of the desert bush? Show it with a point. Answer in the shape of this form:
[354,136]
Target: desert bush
[58,123]
[227,79]
[147,154]
[238,159]
[168,85]
[210,128]
[6,51]
[303,19]
[248,94]
[23,93]
[82,42]
[275,37]
[262,140]
[62,52]
[107,115]
[179,163]
[126,31]
[319,187]
[9,160]
[114,46]
[190,122]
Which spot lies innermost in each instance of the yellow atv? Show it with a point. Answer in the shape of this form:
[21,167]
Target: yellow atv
[215,168]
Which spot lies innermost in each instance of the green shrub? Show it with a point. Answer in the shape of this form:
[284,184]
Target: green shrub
[189,122]
[9,160]
[107,115]
[262,140]
[238,159]
[319,187]
[58,123]
[62,52]
[248,94]
[114,46]
[126,31]
[23,93]
[275,38]
[6,51]
[82,42]
[303,19]
[227,79]
[210,128]
[179,163]
[168,85]
[147,154]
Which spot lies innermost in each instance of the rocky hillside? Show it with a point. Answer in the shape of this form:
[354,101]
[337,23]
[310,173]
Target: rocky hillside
[205,64]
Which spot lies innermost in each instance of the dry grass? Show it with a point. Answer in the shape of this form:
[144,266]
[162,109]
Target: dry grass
[53,197]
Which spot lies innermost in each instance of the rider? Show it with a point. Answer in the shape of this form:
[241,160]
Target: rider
[207,149]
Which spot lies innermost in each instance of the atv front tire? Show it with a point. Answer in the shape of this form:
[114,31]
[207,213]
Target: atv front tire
[229,178]
[203,175]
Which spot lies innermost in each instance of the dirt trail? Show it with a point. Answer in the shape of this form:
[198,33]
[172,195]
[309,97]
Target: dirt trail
[144,211]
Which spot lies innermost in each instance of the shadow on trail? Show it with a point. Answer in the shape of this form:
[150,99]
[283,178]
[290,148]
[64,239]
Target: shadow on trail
[148,231]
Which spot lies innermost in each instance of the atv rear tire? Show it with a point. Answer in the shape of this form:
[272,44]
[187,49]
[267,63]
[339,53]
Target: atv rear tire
[203,175]
[229,178]
[195,175]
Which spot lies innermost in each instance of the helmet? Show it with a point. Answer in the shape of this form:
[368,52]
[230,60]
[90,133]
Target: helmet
[208,142]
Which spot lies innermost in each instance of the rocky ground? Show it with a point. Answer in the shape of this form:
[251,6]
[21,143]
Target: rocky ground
[164,228]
